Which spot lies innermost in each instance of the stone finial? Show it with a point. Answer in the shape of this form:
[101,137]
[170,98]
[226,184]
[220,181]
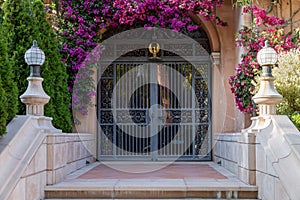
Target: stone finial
[267,97]
[35,97]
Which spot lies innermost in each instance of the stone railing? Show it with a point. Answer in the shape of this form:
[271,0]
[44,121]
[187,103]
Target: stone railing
[34,154]
[267,155]
[278,158]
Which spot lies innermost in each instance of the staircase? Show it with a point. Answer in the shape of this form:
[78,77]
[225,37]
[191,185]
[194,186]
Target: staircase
[210,181]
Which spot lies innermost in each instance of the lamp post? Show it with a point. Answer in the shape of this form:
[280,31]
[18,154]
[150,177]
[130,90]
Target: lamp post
[35,97]
[267,97]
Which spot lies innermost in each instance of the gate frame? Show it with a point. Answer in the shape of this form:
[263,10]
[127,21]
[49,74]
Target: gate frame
[197,59]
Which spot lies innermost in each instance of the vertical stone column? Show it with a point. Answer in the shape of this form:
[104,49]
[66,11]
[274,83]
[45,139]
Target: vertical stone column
[217,120]
[266,98]
[247,157]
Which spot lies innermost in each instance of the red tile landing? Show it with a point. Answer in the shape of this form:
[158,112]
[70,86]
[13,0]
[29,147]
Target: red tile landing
[170,181]
[172,171]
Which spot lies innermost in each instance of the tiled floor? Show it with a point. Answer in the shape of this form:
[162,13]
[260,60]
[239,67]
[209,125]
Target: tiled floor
[171,171]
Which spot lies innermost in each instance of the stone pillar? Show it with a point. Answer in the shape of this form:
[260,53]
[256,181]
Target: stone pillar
[218,118]
[35,97]
[266,98]
[247,157]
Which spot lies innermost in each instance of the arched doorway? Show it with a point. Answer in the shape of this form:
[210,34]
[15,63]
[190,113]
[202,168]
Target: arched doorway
[155,108]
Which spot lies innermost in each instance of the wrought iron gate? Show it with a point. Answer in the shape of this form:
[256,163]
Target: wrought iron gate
[154,111]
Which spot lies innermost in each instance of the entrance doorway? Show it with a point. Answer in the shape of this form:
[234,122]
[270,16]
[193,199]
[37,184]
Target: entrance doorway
[154,110]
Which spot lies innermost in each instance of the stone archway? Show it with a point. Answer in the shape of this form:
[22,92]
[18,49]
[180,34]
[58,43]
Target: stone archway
[223,110]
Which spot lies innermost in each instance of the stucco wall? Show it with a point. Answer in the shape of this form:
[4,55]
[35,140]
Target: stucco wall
[286,9]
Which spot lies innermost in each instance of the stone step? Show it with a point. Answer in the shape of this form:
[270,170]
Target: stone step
[176,181]
[160,189]
[150,199]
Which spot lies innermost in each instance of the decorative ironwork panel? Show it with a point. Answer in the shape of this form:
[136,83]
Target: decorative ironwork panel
[201,140]
[134,44]
[106,93]
[140,51]
[179,49]
[182,126]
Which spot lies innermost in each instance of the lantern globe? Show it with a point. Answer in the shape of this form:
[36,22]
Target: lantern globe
[34,55]
[267,55]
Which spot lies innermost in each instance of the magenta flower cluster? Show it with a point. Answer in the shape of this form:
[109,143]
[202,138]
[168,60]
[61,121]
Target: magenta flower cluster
[243,82]
[83,23]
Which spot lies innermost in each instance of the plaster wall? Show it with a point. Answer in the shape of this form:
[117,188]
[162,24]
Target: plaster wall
[226,117]
[289,10]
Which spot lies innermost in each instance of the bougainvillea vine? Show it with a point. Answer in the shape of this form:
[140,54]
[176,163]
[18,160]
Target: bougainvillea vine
[252,39]
[83,22]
